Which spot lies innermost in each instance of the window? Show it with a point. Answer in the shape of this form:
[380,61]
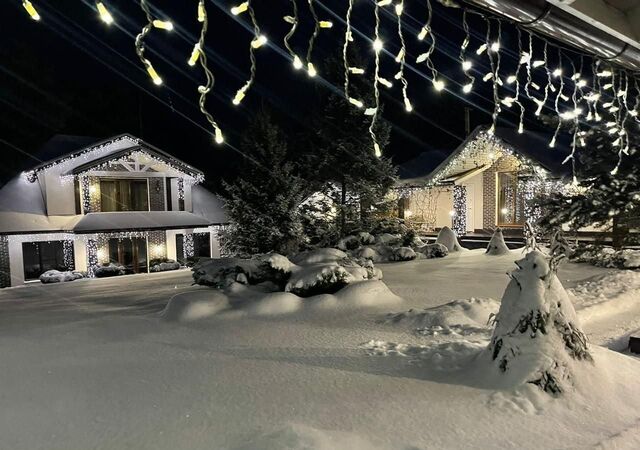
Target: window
[509,204]
[38,257]
[124,195]
[202,244]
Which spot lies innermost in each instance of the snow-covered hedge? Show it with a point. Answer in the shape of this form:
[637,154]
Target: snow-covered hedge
[55,276]
[314,272]
[109,270]
[163,265]
[607,257]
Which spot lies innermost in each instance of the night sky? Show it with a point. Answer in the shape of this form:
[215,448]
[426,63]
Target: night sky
[70,73]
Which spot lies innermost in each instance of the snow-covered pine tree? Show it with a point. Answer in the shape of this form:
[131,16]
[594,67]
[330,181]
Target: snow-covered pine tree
[263,201]
[497,246]
[605,196]
[537,338]
[344,151]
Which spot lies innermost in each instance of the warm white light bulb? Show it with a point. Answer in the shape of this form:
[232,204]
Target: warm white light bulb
[557,72]
[239,9]
[438,85]
[407,105]
[311,70]
[356,102]
[538,63]
[466,65]
[31,10]
[377,45]
[511,79]
[467,87]
[495,46]
[153,74]
[399,8]
[195,54]
[356,70]
[297,62]
[259,41]
[325,24]
[163,24]
[423,34]
[481,49]
[105,15]
[377,150]
[219,138]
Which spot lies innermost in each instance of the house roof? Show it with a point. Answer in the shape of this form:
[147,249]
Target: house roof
[60,148]
[138,221]
[533,146]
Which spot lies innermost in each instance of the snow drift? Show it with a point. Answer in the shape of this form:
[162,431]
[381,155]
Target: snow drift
[448,238]
[497,246]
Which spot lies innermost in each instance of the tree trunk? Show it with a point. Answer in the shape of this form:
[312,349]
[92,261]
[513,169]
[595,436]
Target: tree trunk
[619,233]
[343,208]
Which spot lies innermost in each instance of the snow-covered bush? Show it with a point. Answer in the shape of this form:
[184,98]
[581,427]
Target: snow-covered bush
[497,246]
[316,279]
[162,265]
[55,276]
[404,254]
[389,239]
[320,255]
[537,338]
[221,272]
[607,257]
[448,238]
[109,270]
[349,243]
[433,251]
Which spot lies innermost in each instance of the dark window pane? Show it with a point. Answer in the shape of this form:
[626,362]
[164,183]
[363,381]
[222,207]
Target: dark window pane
[124,195]
[180,248]
[202,244]
[38,257]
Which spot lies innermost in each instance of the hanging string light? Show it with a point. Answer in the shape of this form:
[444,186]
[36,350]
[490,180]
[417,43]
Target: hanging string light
[377,47]
[345,59]
[466,64]
[198,54]
[104,13]
[495,72]
[635,112]
[558,74]
[400,58]
[516,77]
[311,70]
[549,84]
[293,20]
[140,47]
[427,32]
[258,41]
[31,10]
[525,58]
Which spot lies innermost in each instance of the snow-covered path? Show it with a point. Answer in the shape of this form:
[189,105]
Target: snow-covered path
[90,365]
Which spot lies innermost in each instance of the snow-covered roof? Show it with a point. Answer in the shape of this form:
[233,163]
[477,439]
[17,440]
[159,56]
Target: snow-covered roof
[533,146]
[21,222]
[208,205]
[138,220]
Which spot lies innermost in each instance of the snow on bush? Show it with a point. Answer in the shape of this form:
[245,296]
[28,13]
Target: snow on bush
[388,239]
[190,306]
[223,271]
[497,246]
[321,255]
[537,338]
[349,243]
[162,266]
[404,254]
[55,276]
[607,257]
[318,279]
[433,251]
[448,238]
[459,317]
[109,270]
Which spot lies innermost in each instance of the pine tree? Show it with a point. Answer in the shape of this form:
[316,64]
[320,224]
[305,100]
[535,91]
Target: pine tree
[354,177]
[605,197]
[263,202]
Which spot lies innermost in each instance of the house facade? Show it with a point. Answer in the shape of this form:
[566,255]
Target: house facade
[120,201]
[487,182]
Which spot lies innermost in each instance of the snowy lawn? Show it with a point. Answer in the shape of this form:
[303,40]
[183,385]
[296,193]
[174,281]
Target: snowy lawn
[91,364]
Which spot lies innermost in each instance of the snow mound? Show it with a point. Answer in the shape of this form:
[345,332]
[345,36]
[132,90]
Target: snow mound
[303,437]
[318,278]
[448,238]
[55,276]
[164,266]
[459,317]
[449,356]
[368,252]
[109,270]
[190,306]
[321,255]
[433,251]
[497,246]
[276,303]
[367,293]
[388,239]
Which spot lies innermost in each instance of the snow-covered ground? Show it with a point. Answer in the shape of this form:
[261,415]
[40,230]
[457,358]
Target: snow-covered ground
[92,364]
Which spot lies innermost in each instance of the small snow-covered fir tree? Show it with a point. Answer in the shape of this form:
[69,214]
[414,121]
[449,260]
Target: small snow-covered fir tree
[537,338]
[497,246]
[448,238]
[263,202]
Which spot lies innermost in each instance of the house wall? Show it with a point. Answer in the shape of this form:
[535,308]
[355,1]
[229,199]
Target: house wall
[5,265]
[157,194]
[80,254]
[59,195]
[507,163]
[475,202]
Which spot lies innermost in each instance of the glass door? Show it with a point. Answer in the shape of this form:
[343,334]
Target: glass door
[131,253]
[508,210]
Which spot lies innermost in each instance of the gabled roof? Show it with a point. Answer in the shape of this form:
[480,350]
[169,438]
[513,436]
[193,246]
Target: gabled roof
[56,144]
[533,146]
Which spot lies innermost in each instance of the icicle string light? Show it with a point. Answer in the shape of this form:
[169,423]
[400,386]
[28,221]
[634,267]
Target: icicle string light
[293,20]
[517,81]
[257,42]
[140,47]
[400,59]
[466,65]
[558,73]
[426,32]
[104,13]
[377,47]
[495,74]
[528,63]
[199,54]
[345,58]
[316,29]
[31,10]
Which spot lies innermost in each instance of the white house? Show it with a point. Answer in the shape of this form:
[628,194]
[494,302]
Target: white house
[120,200]
[487,182]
